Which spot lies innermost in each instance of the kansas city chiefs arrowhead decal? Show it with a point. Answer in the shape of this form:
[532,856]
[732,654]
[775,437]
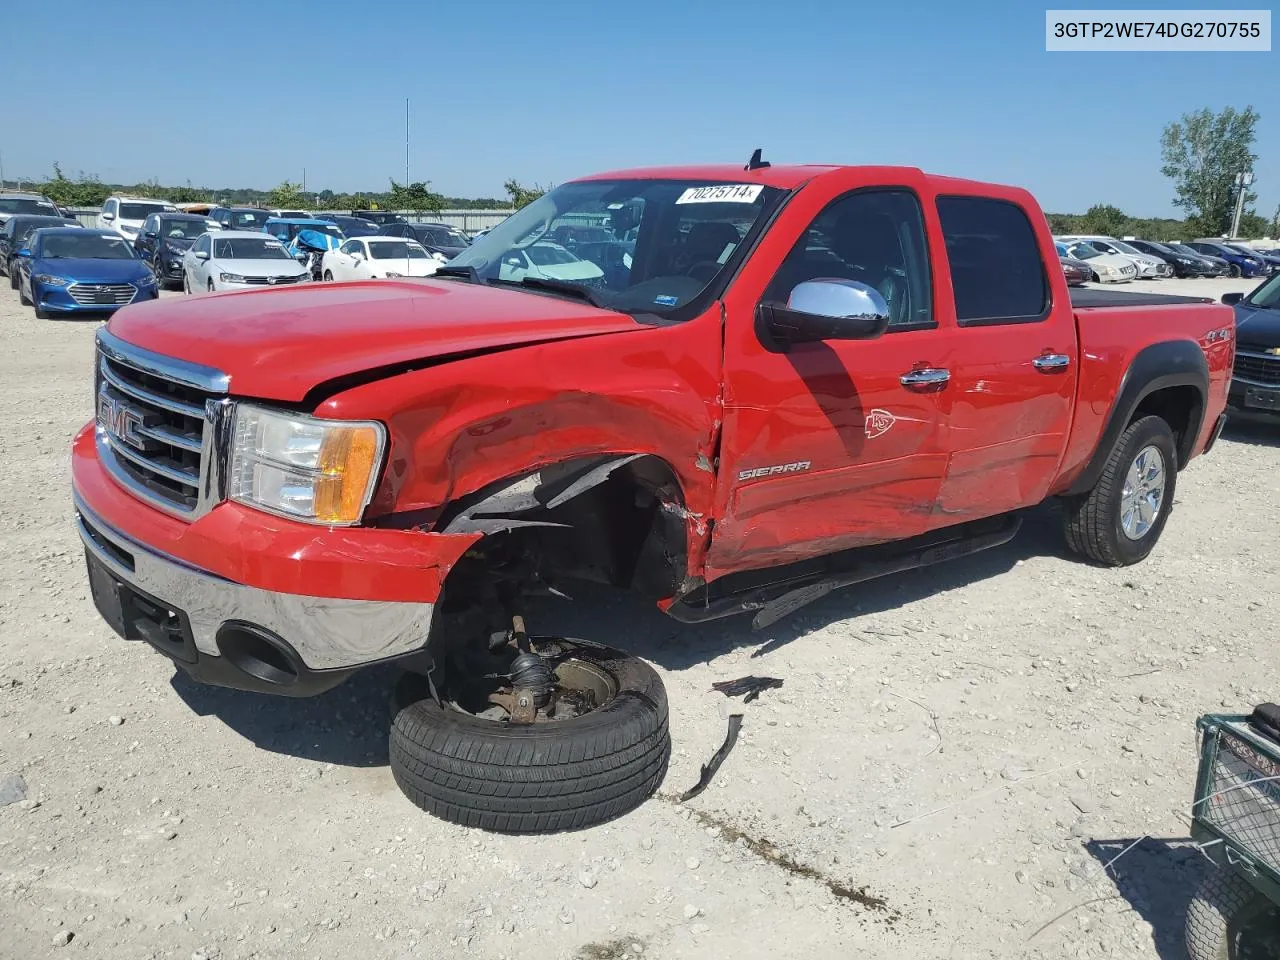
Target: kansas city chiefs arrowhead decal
[878,423]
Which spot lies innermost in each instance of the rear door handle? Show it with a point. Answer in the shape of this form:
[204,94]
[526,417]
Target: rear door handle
[925,377]
[1051,362]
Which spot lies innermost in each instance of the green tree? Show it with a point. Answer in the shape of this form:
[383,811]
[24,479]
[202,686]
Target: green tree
[1105,219]
[1202,154]
[286,194]
[415,197]
[1253,226]
[84,191]
[522,196]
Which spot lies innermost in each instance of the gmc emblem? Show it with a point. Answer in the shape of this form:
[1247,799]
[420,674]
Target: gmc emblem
[122,421]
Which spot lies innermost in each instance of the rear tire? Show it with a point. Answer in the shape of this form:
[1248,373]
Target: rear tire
[1103,524]
[540,778]
[1227,917]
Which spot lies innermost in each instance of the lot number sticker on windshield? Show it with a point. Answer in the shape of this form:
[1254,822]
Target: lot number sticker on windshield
[722,193]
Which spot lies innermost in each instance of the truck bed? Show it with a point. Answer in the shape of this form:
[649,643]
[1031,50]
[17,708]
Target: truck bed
[1094,297]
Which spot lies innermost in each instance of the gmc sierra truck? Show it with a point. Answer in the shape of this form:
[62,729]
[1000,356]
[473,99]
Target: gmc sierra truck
[756,385]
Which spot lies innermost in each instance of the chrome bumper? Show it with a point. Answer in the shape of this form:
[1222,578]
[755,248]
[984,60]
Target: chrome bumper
[326,633]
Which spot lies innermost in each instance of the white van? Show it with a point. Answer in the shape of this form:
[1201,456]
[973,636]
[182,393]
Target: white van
[124,215]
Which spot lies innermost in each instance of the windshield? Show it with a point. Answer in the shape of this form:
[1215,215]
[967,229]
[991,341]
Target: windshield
[1267,295]
[355,227]
[248,219]
[394,250]
[1125,248]
[248,248]
[183,229]
[442,236]
[664,241]
[1083,251]
[1184,249]
[86,246]
[1243,250]
[26,205]
[140,211]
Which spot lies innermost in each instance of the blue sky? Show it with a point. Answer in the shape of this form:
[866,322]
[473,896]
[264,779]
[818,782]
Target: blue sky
[234,93]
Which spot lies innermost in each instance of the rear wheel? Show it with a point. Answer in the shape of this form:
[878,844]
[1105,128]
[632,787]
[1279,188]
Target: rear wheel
[1118,522]
[186,283]
[1229,919]
[596,748]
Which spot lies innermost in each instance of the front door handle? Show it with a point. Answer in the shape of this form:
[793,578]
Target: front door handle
[1051,362]
[926,377]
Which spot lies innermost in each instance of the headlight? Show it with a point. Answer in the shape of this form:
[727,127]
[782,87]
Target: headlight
[319,471]
[147,279]
[230,278]
[437,255]
[50,281]
[176,250]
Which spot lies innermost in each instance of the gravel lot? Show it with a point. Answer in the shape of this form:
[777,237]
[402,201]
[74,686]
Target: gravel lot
[954,757]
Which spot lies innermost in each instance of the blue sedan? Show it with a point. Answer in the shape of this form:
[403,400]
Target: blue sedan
[67,270]
[1242,264]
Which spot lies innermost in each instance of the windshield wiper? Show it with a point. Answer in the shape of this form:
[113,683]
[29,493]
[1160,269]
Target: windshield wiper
[467,273]
[563,286]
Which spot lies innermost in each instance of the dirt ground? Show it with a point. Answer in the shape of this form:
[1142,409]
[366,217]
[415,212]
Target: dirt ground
[954,757]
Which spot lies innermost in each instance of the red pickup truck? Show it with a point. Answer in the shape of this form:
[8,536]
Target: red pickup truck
[741,389]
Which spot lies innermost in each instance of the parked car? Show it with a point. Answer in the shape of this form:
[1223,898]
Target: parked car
[352,226]
[124,215]
[70,269]
[239,218]
[201,209]
[741,436]
[306,240]
[33,204]
[1076,271]
[365,258]
[238,260]
[440,240]
[285,229]
[293,214]
[1240,264]
[1106,267]
[1218,266]
[379,216]
[1149,267]
[548,261]
[1255,382]
[1270,260]
[14,234]
[165,238]
[1183,265]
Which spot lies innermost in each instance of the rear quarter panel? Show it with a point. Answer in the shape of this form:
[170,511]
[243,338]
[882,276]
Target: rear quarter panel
[1111,337]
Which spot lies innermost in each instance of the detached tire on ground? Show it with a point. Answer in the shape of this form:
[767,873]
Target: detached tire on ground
[1118,522]
[537,778]
[1228,919]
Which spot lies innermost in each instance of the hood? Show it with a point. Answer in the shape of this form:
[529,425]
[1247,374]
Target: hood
[410,268]
[259,268]
[279,344]
[93,271]
[1257,326]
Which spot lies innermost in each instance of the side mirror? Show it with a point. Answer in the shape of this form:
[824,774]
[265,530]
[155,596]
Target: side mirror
[1231,299]
[201,255]
[824,310]
[108,217]
[150,233]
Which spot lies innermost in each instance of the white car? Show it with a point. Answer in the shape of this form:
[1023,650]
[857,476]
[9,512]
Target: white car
[365,258]
[548,260]
[1106,267]
[292,214]
[238,260]
[124,215]
[1149,267]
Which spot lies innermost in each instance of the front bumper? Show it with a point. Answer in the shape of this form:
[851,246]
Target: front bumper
[325,600]
[1255,398]
[60,300]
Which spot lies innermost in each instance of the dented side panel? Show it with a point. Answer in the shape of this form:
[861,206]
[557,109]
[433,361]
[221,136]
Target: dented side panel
[457,428]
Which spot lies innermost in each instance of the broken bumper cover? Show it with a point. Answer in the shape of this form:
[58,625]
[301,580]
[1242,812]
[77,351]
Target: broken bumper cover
[291,606]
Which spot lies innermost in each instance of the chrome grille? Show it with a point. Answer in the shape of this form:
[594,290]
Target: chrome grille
[1257,367]
[273,281]
[157,425]
[107,294]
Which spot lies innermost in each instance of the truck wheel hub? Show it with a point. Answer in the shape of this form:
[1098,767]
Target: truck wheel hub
[1143,493]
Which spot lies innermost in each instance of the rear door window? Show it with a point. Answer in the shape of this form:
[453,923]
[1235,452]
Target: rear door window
[996,271]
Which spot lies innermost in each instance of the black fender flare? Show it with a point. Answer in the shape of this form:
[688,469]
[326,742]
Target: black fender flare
[1171,363]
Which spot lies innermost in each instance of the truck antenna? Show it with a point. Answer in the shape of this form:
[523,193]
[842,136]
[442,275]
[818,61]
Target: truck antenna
[755,163]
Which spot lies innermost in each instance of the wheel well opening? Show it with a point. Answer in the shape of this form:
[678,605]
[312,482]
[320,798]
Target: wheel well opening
[1182,408]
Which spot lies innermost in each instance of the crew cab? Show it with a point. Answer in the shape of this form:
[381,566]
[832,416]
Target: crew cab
[806,377]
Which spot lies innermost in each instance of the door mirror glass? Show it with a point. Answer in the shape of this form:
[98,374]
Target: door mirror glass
[827,310]
[1230,299]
